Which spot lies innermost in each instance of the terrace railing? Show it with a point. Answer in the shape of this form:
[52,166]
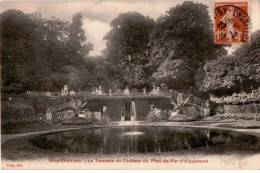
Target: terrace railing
[114,94]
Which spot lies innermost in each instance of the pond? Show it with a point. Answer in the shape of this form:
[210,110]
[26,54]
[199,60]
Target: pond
[147,140]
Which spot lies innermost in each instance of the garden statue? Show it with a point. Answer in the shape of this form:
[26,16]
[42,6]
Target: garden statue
[126,91]
[65,90]
[47,94]
[48,114]
[72,93]
[99,92]
[155,90]
[144,91]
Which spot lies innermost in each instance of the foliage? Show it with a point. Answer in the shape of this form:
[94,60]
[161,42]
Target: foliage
[238,98]
[76,40]
[184,118]
[39,103]
[181,42]
[58,117]
[105,119]
[39,53]
[77,105]
[101,74]
[127,48]
[236,73]
[178,50]
[175,73]
[157,115]
[16,110]
[77,121]
[238,116]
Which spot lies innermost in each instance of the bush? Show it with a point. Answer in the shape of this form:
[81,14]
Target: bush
[41,103]
[184,118]
[187,113]
[77,121]
[16,110]
[105,119]
[93,117]
[15,113]
[151,116]
[58,117]
[157,115]
[13,88]
[238,116]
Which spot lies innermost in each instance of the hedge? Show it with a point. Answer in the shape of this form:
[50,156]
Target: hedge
[17,110]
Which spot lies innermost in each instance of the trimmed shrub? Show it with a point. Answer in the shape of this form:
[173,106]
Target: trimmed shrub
[157,115]
[151,116]
[104,120]
[58,117]
[187,113]
[16,110]
[238,116]
[15,113]
[252,108]
[192,110]
[184,118]
[77,121]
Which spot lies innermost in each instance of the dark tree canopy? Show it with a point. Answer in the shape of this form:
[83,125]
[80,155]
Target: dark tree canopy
[177,50]
[184,33]
[235,73]
[126,51]
[37,53]
[76,37]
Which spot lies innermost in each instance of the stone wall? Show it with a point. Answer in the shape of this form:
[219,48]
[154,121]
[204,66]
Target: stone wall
[142,106]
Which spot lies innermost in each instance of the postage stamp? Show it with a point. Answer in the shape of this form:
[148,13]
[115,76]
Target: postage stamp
[232,22]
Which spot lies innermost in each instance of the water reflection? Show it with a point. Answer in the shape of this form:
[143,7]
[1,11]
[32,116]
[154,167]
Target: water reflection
[136,139]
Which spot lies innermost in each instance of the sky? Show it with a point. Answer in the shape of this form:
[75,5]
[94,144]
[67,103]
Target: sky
[97,15]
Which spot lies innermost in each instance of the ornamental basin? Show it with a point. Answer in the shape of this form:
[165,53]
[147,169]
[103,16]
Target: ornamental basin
[148,140]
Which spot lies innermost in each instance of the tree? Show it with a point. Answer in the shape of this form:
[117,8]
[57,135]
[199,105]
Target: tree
[76,46]
[175,73]
[235,73]
[41,54]
[185,33]
[127,44]
[18,35]
[77,105]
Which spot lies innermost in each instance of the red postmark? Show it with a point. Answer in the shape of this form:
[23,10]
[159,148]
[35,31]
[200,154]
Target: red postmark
[232,22]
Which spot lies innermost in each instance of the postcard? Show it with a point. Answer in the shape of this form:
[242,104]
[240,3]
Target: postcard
[139,85]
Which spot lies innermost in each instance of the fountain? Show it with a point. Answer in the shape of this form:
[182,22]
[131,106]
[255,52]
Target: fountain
[133,112]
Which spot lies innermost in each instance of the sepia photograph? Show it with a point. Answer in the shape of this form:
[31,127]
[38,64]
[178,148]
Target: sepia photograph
[130,85]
